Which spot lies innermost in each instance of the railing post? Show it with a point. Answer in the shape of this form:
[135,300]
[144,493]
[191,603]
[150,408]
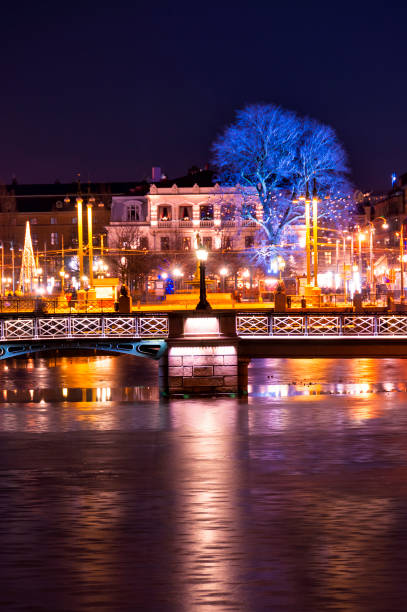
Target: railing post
[69,330]
[375,326]
[103,326]
[2,329]
[305,325]
[36,327]
[271,325]
[340,317]
[136,327]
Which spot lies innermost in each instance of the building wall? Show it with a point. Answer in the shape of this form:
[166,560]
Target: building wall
[171,218]
[48,228]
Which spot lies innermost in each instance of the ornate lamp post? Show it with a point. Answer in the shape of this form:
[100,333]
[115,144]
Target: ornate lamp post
[202,255]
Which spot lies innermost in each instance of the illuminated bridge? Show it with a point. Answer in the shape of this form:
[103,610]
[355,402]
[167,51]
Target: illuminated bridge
[135,335]
[208,352]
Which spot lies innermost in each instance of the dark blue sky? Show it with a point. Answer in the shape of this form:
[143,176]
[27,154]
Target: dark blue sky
[110,89]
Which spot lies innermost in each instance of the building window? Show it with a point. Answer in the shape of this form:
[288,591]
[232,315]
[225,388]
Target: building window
[165,243]
[133,212]
[164,213]
[206,213]
[33,221]
[34,239]
[227,243]
[248,211]
[228,212]
[53,220]
[248,242]
[54,238]
[144,243]
[74,220]
[185,213]
[328,257]
[207,242]
[186,243]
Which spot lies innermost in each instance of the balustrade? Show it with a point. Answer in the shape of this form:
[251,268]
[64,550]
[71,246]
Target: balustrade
[84,327]
[314,325]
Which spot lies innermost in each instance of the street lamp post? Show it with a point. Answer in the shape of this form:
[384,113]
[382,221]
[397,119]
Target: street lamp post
[202,255]
[12,266]
[79,203]
[2,269]
[90,242]
[371,230]
[344,269]
[315,231]
[307,235]
[402,298]
[177,274]
[223,272]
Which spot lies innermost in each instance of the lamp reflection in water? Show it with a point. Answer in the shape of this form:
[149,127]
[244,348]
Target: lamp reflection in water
[205,481]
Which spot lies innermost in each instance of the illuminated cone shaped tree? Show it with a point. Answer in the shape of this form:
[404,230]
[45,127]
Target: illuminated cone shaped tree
[28,269]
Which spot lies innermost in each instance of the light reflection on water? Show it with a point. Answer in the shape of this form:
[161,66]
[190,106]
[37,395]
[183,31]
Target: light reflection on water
[291,498]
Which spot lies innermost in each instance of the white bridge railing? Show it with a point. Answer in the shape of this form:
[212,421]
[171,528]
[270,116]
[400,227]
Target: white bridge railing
[314,325]
[38,328]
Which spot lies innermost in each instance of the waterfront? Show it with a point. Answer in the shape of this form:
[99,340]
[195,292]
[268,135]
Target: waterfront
[293,498]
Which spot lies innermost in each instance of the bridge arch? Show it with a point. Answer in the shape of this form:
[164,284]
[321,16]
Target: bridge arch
[152,349]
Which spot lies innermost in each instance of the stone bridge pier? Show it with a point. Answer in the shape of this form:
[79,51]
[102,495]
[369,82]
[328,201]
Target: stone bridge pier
[203,356]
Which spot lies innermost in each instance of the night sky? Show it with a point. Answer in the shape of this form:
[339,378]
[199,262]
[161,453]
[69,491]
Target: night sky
[110,89]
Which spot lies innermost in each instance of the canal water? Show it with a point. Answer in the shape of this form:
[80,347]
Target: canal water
[291,498]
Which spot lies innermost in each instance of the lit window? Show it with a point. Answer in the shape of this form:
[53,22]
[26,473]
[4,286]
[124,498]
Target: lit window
[33,221]
[328,257]
[54,238]
[165,213]
[53,221]
[74,220]
[185,213]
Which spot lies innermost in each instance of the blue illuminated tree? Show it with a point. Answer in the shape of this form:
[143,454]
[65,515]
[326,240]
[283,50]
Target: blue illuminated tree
[271,153]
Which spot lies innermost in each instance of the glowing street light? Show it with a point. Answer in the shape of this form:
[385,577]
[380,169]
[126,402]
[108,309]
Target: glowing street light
[178,274]
[315,231]
[371,230]
[402,260]
[89,207]
[2,268]
[79,203]
[202,256]
[223,273]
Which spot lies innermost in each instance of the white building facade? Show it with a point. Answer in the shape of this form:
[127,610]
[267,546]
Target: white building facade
[169,219]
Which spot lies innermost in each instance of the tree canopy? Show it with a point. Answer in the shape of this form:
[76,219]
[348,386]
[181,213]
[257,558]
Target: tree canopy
[271,153]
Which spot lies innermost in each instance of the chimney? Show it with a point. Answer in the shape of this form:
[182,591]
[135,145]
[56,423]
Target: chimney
[156,174]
